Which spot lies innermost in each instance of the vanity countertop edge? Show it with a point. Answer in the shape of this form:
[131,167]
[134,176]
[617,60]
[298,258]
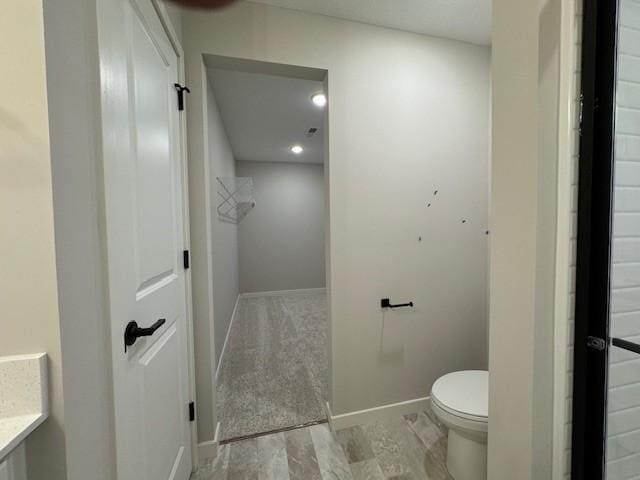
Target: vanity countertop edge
[23,398]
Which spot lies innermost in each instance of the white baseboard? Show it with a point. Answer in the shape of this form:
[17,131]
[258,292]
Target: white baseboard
[277,293]
[210,449]
[327,410]
[370,415]
[226,338]
[207,450]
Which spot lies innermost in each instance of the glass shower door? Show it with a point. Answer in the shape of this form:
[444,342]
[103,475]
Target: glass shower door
[623,390]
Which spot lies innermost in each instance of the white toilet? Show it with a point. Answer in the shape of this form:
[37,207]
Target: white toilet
[461,401]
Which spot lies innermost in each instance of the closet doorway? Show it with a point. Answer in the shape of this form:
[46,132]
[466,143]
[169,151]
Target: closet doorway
[266,149]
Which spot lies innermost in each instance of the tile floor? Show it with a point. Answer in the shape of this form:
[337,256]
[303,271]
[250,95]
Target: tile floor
[412,447]
[274,371]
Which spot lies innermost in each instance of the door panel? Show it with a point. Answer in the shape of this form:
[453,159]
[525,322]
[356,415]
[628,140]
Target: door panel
[160,387]
[144,230]
[156,244]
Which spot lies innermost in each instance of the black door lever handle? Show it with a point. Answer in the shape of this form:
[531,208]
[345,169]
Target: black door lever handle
[133,332]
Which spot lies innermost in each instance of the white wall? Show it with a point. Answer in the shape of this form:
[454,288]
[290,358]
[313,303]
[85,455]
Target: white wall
[72,81]
[214,261]
[28,290]
[514,184]
[281,241]
[530,191]
[408,115]
[623,427]
[224,235]
[547,193]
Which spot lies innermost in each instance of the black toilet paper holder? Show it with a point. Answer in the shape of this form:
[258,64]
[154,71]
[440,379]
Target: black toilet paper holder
[386,303]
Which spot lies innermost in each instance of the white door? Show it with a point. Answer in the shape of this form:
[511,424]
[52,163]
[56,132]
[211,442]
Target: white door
[145,241]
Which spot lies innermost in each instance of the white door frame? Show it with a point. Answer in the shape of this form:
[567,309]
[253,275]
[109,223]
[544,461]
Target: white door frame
[177,46]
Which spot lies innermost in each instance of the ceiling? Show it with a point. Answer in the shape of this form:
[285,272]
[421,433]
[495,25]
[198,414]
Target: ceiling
[265,115]
[465,20]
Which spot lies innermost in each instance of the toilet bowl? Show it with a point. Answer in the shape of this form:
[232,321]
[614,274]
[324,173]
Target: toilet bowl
[460,400]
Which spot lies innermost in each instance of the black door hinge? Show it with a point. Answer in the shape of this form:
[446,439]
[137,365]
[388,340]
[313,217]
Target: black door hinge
[180,89]
[580,112]
[596,343]
[192,411]
[185,259]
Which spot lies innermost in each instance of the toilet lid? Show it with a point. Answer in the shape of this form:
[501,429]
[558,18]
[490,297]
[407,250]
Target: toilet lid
[463,393]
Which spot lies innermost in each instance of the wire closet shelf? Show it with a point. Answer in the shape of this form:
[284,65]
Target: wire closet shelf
[236,198]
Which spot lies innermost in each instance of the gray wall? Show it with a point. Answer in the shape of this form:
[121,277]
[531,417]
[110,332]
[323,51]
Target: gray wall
[224,235]
[426,130]
[281,241]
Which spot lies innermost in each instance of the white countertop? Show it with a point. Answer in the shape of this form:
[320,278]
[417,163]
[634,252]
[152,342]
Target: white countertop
[23,398]
[13,430]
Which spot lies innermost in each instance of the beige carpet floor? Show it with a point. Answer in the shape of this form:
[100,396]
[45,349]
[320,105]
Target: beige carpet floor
[274,371]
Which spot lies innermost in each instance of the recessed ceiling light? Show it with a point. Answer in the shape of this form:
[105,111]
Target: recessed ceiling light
[319,99]
[297,149]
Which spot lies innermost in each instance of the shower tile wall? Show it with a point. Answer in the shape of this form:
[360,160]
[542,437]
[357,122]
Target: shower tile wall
[623,442]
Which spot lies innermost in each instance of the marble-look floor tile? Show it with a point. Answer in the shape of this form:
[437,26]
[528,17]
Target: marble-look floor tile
[301,455]
[331,458]
[272,457]
[243,475]
[411,417]
[403,448]
[431,435]
[243,460]
[367,470]
[434,438]
[388,446]
[401,453]
[355,444]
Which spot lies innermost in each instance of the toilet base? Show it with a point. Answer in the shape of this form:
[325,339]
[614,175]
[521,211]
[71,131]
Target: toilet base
[466,458]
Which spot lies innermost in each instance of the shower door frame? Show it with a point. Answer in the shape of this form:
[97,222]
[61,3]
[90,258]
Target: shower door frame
[593,263]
